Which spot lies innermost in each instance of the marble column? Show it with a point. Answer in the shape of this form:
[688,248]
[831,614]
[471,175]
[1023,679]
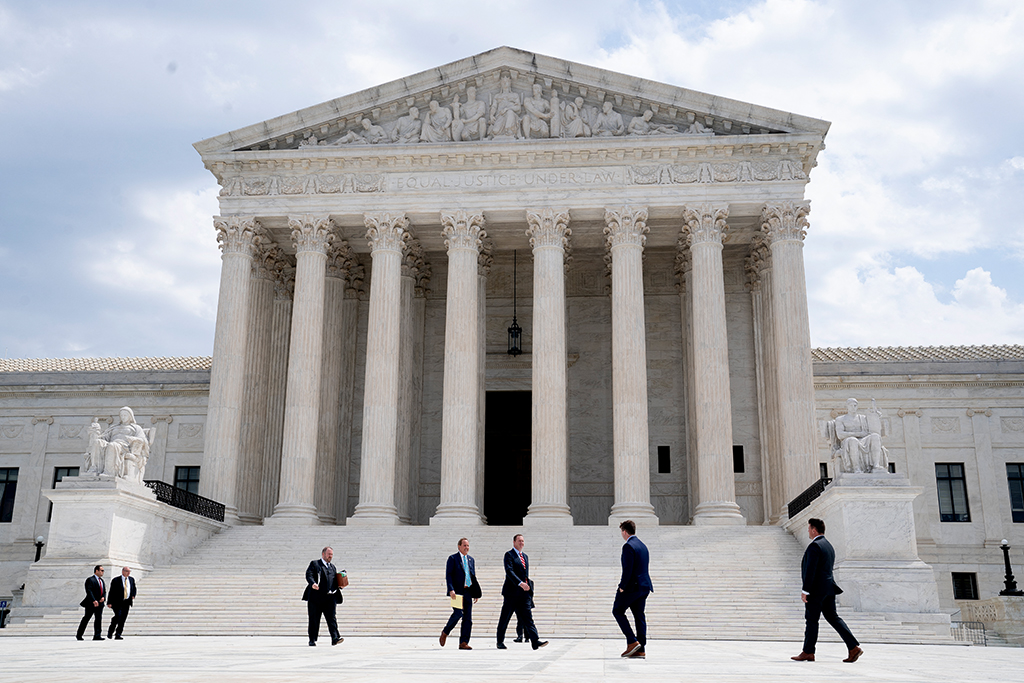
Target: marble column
[483,269]
[30,514]
[462,232]
[706,228]
[257,376]
[339,256]
[296,503]
[347,342]
[549,236]
[280,339]
[237,236]
[419,314]
[625,238]
[411,261]
[785,225]
[386,233]
[684,268]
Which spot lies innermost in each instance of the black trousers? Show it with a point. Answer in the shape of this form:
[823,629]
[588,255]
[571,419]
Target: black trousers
[117,622]
[466,614]
[816,607]
[634,601]
[328,609]
[520,606]
[98,626]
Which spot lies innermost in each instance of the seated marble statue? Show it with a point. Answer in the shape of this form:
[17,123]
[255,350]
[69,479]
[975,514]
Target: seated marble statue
[370,134]
[575,120]
[856,440]
[538,114]
[407,129]
[121,450]
[469,120]
[641,125]
[505,107]
[437,124]
[608,122]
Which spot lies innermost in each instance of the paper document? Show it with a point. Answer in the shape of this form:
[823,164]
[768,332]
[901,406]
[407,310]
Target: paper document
[457,602]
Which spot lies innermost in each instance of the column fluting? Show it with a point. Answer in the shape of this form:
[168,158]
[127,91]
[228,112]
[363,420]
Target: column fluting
[281,327]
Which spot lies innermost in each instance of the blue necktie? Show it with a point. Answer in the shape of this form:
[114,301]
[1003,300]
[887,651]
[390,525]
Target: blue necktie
[465,568]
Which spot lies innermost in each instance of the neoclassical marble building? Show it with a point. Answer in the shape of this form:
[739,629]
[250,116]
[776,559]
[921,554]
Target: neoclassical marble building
[368,245]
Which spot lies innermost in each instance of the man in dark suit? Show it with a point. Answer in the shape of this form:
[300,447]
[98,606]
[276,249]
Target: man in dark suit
[819,594]
[634,587]
[460,577]
[516,592]
[322,596]
[122,597]
[95,596]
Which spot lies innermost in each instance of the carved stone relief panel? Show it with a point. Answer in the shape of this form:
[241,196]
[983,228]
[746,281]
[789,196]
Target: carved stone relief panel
[945,425]
[1009,425]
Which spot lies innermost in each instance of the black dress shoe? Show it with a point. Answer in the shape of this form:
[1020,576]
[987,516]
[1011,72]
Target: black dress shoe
[540,644]
[98,638]
[312,643]
[337,640]
[79,638]
[118,638]
[501,646]
[518,640]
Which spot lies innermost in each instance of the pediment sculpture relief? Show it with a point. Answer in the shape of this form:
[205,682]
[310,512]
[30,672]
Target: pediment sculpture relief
[506,115]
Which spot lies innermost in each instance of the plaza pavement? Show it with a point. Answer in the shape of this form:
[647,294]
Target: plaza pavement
[157,659]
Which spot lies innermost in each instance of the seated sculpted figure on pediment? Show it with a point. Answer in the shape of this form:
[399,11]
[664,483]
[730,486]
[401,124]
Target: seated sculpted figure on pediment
[608,122]
[576,119]
[121,450]
[370,135]
[856,440]
[539,113]
[641,125]
[504,110]
[407,128]
[469,119]
[437,124]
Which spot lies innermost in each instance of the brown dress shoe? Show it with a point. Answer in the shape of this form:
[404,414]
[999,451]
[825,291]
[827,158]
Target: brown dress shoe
[803,657]
[443,638]
[630,649]
[855,654]
[464,646]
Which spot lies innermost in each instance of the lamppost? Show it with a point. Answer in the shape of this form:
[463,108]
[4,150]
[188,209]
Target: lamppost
[515,333]
[1011,585]
[40,542]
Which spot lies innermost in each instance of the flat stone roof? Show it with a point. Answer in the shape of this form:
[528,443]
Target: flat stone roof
[104,364]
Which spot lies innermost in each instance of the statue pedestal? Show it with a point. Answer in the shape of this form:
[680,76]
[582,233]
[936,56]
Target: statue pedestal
[869,520]
[100,519]
[1003,614]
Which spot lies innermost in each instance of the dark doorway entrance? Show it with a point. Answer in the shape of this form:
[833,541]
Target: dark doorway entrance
[507,441]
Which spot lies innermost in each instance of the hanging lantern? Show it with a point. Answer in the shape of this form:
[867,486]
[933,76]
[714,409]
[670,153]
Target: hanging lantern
[515,333]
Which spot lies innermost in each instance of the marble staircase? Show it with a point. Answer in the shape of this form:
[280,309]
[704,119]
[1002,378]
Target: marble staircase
[724,583]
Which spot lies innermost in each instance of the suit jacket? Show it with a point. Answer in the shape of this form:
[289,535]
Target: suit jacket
[516,573]
[635,566]
[455,575]
[95,590]
[326,580]
[816,569]
[118,593]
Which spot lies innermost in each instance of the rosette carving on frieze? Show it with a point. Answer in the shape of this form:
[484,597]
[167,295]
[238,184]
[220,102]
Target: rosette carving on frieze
[237,234]
[785,221]
[386,230]
[706,223]
[625,225]
[311,233]
[548,228]
[462,229]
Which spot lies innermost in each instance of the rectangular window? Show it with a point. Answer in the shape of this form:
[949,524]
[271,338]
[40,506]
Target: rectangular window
[1015,478]
[737,459]
[58,474]
[664,460]
[892,468]
[965,586]
[823,470]
[8,487]
[187,478]
[952,486]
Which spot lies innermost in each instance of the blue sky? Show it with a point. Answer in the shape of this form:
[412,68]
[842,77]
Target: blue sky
[106,239]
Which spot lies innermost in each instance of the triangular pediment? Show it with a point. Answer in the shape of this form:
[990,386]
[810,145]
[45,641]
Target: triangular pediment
[507,95]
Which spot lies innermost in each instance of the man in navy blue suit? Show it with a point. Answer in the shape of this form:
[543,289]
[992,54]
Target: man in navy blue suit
[516,592]
[95,596]
[819,594]
[122,597]
[460,576]
[634,587]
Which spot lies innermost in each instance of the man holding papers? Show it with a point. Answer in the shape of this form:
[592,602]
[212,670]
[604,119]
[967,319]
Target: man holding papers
[463,589]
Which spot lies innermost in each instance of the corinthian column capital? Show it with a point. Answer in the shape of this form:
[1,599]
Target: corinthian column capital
[548,228]
[341,260]
[785,221]
[265,260]
[462,229]
[757,261]
[626,225]
[706,224]
[310,233]
[237,234]
[386,231]
[486,258]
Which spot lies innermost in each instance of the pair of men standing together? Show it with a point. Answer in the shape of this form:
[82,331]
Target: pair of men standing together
[517,593]
[120,599]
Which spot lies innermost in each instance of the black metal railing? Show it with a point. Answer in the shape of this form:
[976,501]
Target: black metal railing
[805,498]
[186,500]
[969,632]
